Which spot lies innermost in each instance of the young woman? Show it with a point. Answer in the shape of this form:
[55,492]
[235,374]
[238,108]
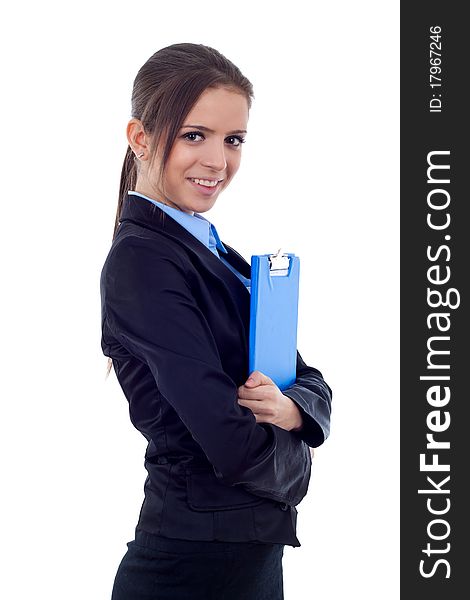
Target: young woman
[228,456]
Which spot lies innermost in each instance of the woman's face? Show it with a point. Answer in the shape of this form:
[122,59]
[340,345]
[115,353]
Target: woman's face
[207,148]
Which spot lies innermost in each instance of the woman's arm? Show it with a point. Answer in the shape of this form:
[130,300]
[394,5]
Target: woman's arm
[151,311]
[304,408]
[313,398]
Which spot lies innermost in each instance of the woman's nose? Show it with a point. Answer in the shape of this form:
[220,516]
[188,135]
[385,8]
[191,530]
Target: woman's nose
[214,156]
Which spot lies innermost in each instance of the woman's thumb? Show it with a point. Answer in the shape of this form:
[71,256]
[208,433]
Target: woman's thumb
[253,378]
[258,378]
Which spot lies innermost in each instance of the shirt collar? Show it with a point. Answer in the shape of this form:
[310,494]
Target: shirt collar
[196,224]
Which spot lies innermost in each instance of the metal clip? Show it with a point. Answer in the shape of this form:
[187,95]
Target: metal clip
[278,263]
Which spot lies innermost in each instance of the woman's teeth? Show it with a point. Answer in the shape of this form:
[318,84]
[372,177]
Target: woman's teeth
[205,182]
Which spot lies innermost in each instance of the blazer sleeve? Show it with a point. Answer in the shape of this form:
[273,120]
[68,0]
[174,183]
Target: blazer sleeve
[152,312]
[312,396]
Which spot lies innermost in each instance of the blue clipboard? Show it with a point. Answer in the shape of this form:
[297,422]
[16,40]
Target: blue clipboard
[273,316]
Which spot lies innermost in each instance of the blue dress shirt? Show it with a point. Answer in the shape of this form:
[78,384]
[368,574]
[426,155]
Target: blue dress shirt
[202,229]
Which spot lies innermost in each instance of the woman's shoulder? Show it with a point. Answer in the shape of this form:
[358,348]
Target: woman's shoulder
[141,244]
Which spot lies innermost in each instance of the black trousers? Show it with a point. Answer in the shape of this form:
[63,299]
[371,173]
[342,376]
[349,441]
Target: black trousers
[158,568]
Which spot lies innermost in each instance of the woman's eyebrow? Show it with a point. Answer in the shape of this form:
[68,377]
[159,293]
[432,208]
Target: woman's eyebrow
[211,131]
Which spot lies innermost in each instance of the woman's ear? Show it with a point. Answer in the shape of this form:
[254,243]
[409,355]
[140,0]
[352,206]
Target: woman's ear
[137,137]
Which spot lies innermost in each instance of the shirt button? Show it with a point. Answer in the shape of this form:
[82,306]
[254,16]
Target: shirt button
[283,506]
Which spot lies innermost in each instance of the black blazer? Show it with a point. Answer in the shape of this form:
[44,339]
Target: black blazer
[175,321]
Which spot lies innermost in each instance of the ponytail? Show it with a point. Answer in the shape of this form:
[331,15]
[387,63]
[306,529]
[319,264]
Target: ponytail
[128,181]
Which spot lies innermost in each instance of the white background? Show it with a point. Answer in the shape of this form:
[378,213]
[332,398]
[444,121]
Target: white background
[319,177]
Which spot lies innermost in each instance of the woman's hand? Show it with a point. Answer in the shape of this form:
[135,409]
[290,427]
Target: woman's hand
[269,405]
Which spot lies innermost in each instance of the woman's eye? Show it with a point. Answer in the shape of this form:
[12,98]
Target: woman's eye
[238,140]
[191,134]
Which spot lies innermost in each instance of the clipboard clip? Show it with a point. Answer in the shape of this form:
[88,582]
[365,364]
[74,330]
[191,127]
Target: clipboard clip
[278,264]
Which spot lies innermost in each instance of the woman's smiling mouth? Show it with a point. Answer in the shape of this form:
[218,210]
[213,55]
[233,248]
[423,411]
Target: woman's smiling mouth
[205,186]
[205,182]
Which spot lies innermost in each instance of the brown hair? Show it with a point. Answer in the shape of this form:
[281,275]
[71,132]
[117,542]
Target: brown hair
[165,90]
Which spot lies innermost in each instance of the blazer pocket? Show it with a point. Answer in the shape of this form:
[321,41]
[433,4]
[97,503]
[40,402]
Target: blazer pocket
[206,493]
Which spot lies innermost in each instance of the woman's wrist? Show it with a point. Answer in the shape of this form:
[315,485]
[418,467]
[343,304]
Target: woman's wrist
[297,421]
